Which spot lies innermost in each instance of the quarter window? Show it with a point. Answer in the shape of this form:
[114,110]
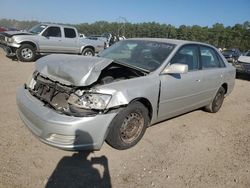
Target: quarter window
[69,33]
[209,58]
[187,55]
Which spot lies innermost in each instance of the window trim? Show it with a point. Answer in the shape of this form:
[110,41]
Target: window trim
[219,59]
[65,33]
[45,31]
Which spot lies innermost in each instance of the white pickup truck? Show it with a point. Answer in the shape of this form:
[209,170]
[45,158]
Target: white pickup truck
[47,38]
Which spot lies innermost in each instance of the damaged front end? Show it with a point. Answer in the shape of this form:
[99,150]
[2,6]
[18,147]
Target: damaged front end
[65,99]
[77,100]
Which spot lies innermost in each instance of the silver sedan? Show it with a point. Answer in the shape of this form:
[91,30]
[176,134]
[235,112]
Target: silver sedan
[77,103]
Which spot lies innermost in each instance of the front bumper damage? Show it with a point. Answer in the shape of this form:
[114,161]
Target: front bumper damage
[8,47]
[10,52]
[59,130]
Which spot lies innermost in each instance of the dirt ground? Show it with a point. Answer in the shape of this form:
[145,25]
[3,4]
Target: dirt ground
[197,149]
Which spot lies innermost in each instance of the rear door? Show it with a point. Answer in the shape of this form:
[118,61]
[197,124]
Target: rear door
[212,71]
[181,92]
[70,41]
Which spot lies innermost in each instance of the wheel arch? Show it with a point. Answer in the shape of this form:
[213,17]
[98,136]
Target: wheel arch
[225,86]
[146,103]
[30,43]
[88,46]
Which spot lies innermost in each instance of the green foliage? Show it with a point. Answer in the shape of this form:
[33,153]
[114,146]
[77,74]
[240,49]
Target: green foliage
[237,36]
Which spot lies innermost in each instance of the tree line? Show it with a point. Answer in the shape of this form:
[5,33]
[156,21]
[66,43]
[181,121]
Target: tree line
[237,36]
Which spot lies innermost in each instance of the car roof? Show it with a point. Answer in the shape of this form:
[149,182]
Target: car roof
[171,41]
[58,25]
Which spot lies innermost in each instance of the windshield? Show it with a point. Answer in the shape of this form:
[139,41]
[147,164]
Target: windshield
[247,53]
[147,55]
[37,29]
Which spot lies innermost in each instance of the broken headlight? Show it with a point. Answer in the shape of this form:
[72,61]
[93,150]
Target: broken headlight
[97,101]
[10,40]
[31,81]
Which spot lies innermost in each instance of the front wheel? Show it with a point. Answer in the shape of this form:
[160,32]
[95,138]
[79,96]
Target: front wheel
[26,53]
[128,127]
[217,101]
[88,52]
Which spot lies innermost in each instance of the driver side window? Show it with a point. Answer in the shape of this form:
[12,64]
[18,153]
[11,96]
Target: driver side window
[189,56]
[52,32]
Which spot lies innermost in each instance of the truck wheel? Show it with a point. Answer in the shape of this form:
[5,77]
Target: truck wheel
[88,52]
[26,53]
[128,126]
[217,101]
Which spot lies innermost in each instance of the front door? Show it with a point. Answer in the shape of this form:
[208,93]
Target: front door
[181,93]
[50,40]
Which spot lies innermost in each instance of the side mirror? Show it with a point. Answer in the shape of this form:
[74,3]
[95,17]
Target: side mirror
[176,69]
[45,34]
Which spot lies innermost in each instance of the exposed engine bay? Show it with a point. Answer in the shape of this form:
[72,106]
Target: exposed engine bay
[79,101]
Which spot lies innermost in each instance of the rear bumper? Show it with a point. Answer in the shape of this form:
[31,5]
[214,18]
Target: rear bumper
[59,130]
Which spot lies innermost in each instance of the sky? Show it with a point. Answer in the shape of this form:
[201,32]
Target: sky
[174,12]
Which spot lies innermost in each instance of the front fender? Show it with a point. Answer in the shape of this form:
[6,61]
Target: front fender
[22,40]
[125,91]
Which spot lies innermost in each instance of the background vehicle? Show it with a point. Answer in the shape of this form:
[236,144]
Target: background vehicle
[47,38]
[81,35]
[104,37]
[2,29]
[231,55]
[108,38]
[116,96]
[243,63]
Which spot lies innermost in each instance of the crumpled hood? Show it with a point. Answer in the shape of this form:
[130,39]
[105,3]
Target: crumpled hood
[72,69]
[14,33]
[244,59]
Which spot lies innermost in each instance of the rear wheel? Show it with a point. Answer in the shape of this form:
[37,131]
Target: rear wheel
[26,53]
[128,127]
[88,52]
[217,101]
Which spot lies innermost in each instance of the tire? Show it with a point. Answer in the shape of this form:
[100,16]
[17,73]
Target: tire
[128,126]
[217,101]
[26,53]
[88,52]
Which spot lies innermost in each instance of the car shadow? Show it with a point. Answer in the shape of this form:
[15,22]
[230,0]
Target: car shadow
[14,59]
[78,171]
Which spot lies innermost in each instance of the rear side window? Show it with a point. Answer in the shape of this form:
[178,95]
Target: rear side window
[222,64]
[209,58]
[53,32]
[69,33]
[189,56]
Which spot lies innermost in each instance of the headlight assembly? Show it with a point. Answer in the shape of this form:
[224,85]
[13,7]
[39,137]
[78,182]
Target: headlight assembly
[9,40]
[31,81]
[88,100]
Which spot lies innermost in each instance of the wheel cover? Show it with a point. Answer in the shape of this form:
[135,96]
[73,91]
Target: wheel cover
[26,53]
[132,127]
[218,100]
[88,53]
